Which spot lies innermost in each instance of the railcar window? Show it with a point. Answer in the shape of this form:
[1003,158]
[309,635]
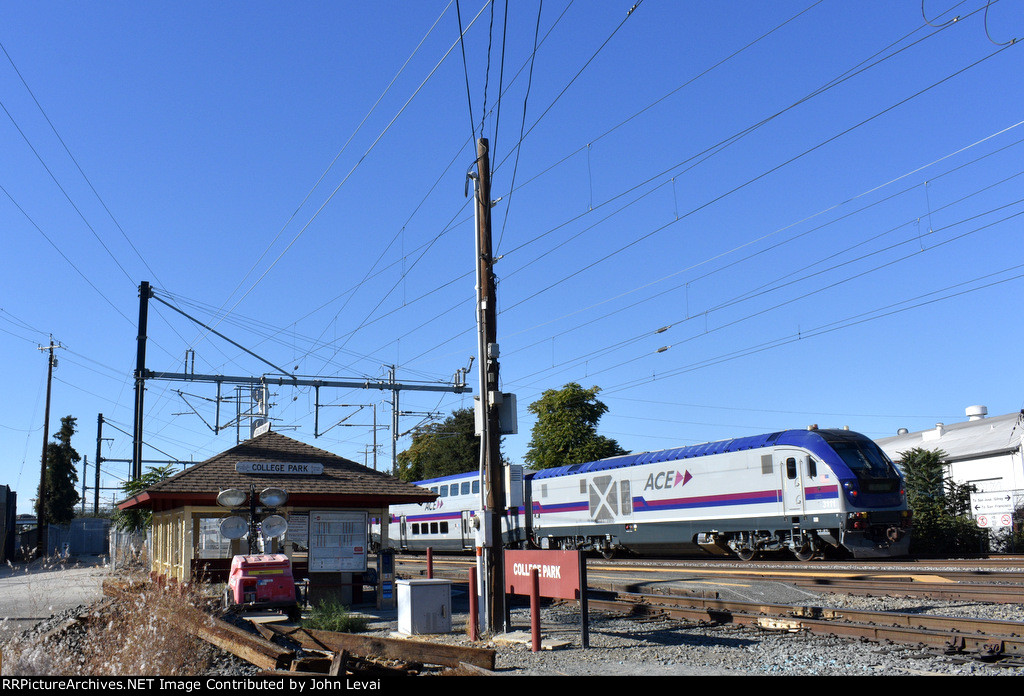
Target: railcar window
[444,491]
[415,528]
[444,527]
[465,488]
[433,527]
[476,486]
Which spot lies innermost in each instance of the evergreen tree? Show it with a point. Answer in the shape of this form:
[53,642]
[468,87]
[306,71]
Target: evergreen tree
[442,449]
[566,429]
[61,474]
[941,507]
[137,520]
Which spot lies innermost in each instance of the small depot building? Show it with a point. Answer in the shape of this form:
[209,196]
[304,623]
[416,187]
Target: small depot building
[331,503]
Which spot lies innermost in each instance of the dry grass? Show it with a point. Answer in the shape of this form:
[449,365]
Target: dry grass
[124,635]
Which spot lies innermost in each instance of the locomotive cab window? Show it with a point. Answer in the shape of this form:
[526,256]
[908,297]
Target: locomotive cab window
[812,467]
[791,468]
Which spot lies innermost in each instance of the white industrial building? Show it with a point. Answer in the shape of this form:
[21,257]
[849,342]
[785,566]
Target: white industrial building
[985,451]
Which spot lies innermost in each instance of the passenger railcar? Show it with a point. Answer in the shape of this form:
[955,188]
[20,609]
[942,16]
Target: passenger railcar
[805,491]
[446,524]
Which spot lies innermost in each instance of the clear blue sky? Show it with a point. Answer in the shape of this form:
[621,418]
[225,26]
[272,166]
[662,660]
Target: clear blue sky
[820,202]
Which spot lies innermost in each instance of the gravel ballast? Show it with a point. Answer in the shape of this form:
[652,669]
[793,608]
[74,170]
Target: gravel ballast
[629,646]
[658,647]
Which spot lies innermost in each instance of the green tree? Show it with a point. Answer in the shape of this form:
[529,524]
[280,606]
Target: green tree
[136,520]
[61,474]
[941,507]
[566,429]
[442,449]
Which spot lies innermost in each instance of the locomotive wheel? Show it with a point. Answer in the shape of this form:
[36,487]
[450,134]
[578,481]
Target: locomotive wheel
[805,552]
[746,553]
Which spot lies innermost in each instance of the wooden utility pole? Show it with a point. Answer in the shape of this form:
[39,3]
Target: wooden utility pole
[145,292]
[490,396]
[99,440]
[42,528]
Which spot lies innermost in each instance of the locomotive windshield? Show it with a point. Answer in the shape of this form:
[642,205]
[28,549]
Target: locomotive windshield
[868,463]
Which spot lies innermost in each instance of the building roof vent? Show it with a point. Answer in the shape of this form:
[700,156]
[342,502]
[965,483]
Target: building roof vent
[976,412]
[935,434]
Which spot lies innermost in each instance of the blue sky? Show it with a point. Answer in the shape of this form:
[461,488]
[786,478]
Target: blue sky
[819,203]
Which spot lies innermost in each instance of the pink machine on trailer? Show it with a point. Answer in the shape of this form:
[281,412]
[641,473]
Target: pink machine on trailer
[261,581]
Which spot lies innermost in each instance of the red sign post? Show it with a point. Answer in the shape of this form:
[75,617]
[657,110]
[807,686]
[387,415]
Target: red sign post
[557,574]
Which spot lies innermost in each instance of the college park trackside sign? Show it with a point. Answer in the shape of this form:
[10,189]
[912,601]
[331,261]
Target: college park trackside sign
[294,468]
[558,572]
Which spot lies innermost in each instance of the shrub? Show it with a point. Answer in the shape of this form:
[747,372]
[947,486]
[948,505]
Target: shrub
[125,635]
[942,522]
[332,616]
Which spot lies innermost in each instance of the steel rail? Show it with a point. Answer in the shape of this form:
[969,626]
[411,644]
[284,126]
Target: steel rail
[987,638]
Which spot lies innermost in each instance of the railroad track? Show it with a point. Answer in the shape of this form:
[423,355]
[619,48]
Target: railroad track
[967,581]
[1001,642]
[979,639]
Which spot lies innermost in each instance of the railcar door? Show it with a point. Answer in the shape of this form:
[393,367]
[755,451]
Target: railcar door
[468,535]
[792,464]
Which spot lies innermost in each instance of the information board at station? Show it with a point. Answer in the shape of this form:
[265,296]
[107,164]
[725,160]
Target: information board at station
[337,541]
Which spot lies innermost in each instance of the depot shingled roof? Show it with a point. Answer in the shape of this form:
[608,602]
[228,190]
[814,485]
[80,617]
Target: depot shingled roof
[340,483]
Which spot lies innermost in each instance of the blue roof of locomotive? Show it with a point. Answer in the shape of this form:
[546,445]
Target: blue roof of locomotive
[809,439]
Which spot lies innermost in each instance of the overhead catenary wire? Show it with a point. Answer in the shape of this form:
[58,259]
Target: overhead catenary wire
[345,179]
[340,152]
[433,289]
[753,179]
[776,232]
[874,315]
[876,188]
